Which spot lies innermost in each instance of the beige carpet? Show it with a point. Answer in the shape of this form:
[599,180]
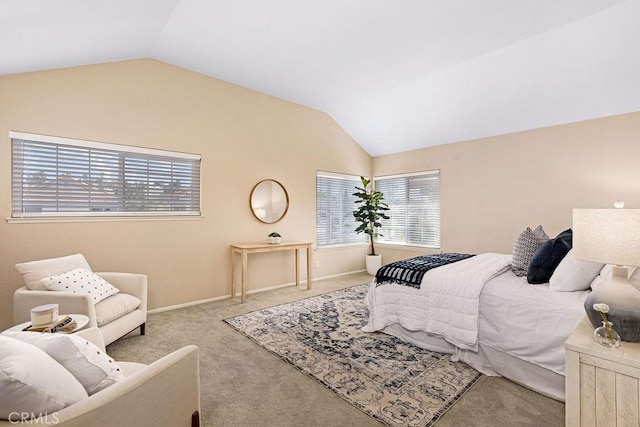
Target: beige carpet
[245,385]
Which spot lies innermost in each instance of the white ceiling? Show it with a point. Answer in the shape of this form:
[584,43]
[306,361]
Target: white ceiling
[395,74]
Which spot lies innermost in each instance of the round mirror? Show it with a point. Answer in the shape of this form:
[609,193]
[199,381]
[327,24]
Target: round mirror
[269,201]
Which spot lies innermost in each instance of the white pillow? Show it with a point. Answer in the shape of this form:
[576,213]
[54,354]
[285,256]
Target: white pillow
[574,274]
[116,307]
[604,276]
[607,272]
[33,271]
[81,281]
[92,367]
[31,382]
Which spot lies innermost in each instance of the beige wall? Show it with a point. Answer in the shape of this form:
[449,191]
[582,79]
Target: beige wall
[495,187]
[491,188]
[243,137]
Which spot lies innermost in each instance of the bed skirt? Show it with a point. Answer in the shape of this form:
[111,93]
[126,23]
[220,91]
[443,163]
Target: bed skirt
[490,362]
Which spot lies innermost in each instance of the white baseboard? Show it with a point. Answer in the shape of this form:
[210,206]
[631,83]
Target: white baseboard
[255,291]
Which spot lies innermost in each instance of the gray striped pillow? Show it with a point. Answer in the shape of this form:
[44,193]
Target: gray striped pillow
[524,247]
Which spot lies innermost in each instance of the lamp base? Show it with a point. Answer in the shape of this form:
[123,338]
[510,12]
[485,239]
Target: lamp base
[624,305]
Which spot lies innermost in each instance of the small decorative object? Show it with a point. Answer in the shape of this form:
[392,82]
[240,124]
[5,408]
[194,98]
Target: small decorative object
[44,314]
[605,335]
[274,238]
[63,324]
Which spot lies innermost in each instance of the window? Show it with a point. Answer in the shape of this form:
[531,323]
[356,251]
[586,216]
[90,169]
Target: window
[61,177]
[335,203]
[414,202]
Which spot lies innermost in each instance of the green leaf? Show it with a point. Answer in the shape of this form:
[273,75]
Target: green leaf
[370,210]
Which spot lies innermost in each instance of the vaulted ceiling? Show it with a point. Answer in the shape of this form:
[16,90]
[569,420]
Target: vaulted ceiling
[397,75]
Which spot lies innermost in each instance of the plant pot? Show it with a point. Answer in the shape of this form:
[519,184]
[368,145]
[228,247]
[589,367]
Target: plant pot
[274,240]
[373,262]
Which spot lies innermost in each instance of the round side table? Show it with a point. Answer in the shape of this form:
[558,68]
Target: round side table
[81,322]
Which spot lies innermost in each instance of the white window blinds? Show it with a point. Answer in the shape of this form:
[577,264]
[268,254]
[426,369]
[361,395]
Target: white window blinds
[59,177]
[335,204]
[414,202]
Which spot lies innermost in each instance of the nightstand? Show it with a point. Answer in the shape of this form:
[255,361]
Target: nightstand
[601,383]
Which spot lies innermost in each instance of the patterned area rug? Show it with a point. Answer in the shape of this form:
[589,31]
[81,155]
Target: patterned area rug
[393,381]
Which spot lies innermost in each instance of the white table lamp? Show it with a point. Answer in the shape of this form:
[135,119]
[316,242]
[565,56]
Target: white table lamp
[611,236]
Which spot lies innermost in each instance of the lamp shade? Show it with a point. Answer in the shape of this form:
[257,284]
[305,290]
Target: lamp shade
[610,236]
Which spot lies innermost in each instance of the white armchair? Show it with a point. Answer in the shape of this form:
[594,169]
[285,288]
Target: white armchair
[115,316]
[163,393]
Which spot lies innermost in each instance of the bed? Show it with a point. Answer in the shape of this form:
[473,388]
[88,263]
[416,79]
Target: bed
[479,311]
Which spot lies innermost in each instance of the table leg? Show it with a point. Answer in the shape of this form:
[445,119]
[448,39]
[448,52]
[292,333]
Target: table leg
[309,267]
[297,267]
[233,273]
[244,276]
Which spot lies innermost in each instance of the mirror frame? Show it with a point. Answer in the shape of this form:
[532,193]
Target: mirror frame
[286,195]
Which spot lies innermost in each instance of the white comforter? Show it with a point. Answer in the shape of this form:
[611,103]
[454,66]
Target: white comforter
[446,305]
[530,322]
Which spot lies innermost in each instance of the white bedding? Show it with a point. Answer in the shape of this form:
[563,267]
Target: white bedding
[524,321]
[530,322]
[445,305]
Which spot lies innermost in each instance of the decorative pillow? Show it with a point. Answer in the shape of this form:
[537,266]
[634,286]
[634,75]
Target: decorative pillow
[33,271]
[92,367]
[574,274]
[524,247]
[115,307]
[81,281]
[31,382]
[548,256]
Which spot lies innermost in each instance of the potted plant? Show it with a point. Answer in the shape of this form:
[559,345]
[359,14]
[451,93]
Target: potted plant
[368,214]
[274,238]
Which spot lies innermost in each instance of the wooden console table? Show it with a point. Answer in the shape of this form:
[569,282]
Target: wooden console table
[250,248]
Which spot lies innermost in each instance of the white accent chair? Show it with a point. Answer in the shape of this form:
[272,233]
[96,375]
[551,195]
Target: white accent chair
[164,393]
[115,316]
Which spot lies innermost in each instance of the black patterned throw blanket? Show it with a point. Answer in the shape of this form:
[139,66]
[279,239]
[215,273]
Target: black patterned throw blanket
[409,272]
